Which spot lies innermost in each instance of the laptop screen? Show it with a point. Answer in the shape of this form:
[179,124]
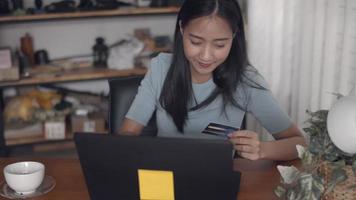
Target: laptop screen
[202,168]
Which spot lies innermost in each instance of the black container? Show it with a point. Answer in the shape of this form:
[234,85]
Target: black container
[41,57]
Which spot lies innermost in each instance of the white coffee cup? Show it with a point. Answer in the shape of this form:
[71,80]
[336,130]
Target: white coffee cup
[24,177]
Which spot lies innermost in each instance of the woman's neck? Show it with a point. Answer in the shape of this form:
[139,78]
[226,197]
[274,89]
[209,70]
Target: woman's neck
[201,78]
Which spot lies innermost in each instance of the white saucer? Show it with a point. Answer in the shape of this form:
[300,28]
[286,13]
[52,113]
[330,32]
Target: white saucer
[47,185]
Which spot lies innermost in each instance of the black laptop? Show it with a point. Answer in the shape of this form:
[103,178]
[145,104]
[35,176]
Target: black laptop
[202,169]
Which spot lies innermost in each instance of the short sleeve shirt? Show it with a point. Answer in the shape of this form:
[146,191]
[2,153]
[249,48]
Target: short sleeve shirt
[259,102]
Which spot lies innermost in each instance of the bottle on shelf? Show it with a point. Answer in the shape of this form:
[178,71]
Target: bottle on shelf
[27,48]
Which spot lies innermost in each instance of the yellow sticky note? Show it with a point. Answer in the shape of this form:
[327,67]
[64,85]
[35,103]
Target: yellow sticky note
[156,184]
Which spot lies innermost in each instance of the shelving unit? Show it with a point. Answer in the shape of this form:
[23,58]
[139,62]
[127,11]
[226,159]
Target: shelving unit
[84,74]
[75,75]
[67,76]
[128,11]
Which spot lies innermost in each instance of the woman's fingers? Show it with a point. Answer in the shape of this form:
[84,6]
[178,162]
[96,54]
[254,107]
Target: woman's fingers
[246,149]
[244,138]
[250,156]
[243,134]
[246,143]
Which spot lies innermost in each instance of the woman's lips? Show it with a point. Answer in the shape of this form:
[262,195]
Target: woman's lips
[204,65]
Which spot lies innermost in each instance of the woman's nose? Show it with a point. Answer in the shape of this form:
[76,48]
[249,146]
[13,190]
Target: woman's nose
[206,53]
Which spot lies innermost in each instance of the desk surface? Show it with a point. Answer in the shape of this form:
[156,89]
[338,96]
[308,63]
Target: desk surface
[259,178]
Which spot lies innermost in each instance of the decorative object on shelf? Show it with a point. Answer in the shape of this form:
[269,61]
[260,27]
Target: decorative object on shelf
[4,7]
[5,58]
[122,54]
[86,5]
[41,57]
[18,130]
[110,4]
[61,7]
[159,3]
[38,4]
[17,7]
[327,172]
[87,123]
[175,2]
[144,35]
[100,53]
[9,71]
[10,74]
[55,129]
[163,41]
[19,108]
[143,3]
[27,48]
[38,8]
[23,63]
[17,4]
[25,106]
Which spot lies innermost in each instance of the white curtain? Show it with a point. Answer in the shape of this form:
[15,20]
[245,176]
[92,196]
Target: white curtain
[305,49]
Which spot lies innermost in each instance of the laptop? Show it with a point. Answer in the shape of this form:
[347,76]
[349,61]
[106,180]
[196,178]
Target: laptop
[202,168]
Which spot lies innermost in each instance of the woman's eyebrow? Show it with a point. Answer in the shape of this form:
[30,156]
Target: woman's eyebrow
[195,36]
[201,38]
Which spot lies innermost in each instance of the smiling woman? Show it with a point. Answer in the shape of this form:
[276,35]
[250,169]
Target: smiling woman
[208,79]
[207,42]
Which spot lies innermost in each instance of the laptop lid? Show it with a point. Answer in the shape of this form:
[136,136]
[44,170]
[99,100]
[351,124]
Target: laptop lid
[202,169]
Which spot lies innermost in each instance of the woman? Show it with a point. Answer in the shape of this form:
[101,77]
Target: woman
[208,79]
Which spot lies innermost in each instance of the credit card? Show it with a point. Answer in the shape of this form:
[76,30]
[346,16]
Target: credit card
[219,129]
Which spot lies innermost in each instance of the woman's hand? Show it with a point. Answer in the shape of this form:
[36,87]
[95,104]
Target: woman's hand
[246,143]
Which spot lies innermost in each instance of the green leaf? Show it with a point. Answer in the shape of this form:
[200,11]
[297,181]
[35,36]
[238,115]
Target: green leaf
[338,164]
[307,159]
[315,146]
[318,186]
[314,197]
[338,175]
[280,191]
[330,188]
[288,173]
[331,157]
[352,187]
[292,195]
[306,182]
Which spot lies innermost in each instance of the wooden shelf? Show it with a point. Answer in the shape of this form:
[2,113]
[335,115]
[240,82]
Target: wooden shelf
[75,75]
[38,140]
[128,11]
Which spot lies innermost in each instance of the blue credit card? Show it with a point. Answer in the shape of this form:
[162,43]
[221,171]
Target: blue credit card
[219,129]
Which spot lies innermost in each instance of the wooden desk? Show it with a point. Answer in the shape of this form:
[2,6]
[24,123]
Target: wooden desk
[259,178]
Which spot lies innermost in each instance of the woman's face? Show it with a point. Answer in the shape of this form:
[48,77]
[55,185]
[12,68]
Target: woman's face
[207,42]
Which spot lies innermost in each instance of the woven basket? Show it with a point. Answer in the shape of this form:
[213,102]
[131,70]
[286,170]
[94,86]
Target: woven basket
[341,191]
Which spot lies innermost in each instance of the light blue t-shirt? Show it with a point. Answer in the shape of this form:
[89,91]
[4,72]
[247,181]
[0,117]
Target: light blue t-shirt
[259,102]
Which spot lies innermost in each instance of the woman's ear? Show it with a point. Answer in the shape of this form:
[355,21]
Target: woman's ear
[180,27]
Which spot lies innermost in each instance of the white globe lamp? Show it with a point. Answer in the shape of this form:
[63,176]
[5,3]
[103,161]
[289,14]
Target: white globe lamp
[341,124]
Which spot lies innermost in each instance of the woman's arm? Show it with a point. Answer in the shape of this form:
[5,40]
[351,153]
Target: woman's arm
[130,127]
[284,148]
[248,145]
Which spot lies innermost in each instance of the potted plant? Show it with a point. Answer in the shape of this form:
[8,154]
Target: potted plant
[326,172]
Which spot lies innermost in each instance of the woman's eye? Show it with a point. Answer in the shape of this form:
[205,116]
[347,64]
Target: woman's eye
[220,45]
[195,42]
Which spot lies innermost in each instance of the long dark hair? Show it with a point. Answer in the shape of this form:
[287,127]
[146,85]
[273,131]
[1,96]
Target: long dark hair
[177,90]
